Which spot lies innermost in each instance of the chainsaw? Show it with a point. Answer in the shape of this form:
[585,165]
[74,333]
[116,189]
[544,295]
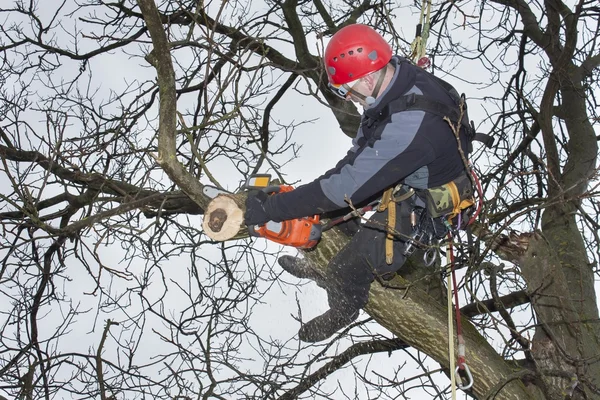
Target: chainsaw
[302,233]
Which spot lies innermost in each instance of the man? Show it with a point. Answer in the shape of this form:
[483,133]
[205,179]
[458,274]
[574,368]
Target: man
[412,147]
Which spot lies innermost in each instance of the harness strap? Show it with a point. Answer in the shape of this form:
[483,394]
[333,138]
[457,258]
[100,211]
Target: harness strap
[386,199]
[419,102]
[459,205]
[389,239]
[454,194]
[415,101]
[388,202]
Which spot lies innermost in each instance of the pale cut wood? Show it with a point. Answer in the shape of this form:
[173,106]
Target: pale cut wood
[223,218]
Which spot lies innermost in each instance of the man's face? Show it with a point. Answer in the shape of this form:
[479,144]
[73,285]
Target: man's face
[358,87]
[349,91]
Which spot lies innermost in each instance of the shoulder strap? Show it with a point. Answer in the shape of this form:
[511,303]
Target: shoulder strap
[419,102]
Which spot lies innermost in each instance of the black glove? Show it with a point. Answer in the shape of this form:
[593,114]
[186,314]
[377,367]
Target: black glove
[255,208]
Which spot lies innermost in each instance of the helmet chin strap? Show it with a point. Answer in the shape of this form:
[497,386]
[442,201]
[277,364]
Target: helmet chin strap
[371,99]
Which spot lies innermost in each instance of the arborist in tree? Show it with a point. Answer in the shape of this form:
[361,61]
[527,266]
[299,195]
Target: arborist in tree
[405,154]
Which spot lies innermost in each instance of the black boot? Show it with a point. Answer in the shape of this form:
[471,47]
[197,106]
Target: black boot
[325,325]
[301,268]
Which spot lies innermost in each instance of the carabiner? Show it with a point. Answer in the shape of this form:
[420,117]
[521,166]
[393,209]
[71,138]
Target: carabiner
[469,378]
[429,257]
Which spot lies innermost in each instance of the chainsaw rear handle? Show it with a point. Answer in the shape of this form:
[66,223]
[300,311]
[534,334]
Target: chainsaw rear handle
[252,230]
[274,189]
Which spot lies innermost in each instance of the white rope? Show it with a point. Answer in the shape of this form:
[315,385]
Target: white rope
[451,333]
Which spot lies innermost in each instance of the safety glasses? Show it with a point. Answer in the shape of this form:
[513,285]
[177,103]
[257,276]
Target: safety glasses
[342,91]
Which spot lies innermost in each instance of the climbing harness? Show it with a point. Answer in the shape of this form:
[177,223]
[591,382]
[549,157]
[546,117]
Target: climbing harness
[418,47]
[443,216]
[436,212]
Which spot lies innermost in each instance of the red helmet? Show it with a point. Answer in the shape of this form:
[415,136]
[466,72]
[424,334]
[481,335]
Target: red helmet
[355,51]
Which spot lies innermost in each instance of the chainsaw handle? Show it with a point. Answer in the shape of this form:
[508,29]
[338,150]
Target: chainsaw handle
[252,231]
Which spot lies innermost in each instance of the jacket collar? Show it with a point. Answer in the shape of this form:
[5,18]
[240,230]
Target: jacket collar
[403,80]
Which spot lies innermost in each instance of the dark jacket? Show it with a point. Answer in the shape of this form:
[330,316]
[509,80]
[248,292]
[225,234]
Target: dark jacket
[413,147]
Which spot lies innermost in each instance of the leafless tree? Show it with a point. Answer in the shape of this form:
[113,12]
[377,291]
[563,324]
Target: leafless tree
[115,115]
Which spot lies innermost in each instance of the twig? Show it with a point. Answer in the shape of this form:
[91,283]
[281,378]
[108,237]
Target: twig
[99,371]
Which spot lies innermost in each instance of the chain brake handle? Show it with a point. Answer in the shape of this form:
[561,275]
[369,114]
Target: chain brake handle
[273,189]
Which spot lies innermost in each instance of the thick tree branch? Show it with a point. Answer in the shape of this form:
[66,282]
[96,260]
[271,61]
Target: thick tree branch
[530,23]
[420,321]
[167,202]
[307,60]
[160,58]
[545,119]
[325,15]
[589,65]
[512,300]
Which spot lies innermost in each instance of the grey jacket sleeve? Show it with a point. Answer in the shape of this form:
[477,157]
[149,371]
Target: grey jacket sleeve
[371,166]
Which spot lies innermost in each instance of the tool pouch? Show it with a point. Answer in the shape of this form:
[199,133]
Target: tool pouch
[450,199]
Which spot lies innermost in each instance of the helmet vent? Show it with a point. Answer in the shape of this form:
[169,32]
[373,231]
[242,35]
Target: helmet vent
[351,52]
[359,49]
[373,55]
[342,55]
[331,70]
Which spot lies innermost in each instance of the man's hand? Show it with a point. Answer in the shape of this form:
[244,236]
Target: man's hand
[255,208]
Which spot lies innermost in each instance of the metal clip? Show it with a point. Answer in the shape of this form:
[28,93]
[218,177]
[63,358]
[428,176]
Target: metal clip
[413,242]
[469,378]
[413,219]
[429,257]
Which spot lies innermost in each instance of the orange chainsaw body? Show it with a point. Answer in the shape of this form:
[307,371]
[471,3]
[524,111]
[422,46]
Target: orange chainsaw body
[303,233]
